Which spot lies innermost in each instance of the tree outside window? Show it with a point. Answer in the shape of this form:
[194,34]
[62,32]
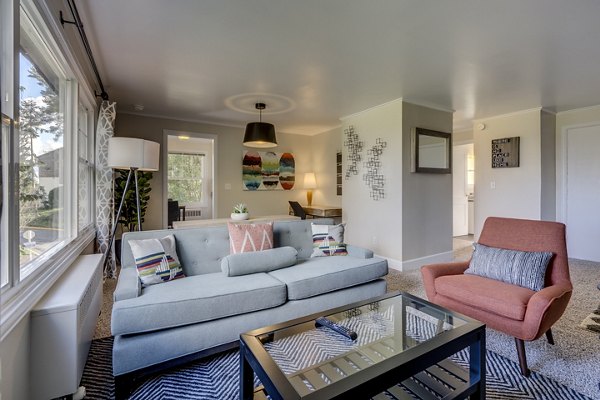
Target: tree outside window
[185,177]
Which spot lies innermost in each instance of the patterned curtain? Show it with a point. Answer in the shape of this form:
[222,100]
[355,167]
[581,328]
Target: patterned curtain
[104,203]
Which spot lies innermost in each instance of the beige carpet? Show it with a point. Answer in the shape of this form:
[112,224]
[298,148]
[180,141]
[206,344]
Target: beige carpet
[574,360]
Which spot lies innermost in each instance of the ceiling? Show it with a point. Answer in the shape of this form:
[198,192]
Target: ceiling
[315,61]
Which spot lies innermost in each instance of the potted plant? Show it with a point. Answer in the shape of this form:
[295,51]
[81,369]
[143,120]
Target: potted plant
[240,212]
[128,217]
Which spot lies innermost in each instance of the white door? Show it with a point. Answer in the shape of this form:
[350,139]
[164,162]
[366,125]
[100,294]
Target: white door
[583,193]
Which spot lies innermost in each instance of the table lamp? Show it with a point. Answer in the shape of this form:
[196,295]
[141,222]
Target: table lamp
[310,183]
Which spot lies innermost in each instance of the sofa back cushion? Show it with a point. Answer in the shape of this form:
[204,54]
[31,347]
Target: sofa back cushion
[201,249]
[297,234]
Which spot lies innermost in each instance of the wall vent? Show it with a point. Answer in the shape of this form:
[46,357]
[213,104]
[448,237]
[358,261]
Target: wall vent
[193,213]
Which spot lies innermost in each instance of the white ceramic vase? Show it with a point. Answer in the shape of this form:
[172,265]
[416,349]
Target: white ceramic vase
[239,216]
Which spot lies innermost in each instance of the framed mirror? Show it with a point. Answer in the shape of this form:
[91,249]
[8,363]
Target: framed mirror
[432,151]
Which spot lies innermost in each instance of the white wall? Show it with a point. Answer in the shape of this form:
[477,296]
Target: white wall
[325,146]
[228,168]
[426,198]
[517,191]
[376,224]
[14,362]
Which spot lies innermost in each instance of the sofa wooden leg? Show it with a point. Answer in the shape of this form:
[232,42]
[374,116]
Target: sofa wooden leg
[549,336]
[522,357]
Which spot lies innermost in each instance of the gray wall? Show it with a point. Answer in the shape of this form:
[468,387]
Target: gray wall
[548,150]
[229,165]
[426,198]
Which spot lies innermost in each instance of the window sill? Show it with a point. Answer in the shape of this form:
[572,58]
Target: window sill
[19,300]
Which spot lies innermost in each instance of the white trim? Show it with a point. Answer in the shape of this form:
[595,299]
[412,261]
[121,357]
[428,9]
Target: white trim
[433,106]
[164,157]
[549,111]
[34,287]
[345,117]
[574,110]
[416,263]
[510,114]
[225,124]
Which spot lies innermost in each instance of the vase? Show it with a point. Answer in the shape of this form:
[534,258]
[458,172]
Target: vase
[239,216]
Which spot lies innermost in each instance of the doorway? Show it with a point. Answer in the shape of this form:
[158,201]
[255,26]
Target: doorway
[189,182]
[463,199]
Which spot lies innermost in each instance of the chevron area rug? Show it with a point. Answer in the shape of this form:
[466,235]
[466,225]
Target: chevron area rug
[217,377]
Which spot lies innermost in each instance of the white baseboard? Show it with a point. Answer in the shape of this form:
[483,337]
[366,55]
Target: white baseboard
[416,263]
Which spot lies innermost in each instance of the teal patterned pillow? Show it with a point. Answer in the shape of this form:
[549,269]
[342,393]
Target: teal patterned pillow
[156,260]
[522,268]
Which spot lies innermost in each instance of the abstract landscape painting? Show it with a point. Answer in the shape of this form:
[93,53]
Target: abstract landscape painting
[267,170]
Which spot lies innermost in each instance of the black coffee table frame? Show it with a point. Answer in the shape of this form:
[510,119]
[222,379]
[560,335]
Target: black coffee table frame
[377,378]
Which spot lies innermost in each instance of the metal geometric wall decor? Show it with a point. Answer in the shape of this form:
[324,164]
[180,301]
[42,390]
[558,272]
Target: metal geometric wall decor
[355,147]
[373,178]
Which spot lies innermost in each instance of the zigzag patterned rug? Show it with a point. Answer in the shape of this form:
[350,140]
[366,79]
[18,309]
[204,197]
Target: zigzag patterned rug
[217,378]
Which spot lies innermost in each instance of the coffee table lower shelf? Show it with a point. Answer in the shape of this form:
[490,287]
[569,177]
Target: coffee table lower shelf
[445,380]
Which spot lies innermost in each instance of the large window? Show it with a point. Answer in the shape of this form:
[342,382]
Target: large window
[47,160]
[185,176]
[43,100]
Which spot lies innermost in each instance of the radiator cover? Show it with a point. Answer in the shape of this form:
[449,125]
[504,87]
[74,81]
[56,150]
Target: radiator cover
[62,329]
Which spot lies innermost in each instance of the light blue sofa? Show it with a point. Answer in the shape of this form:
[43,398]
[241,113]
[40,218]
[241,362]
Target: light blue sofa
[169,323]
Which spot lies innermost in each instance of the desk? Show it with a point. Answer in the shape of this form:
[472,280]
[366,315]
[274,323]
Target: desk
[195,223]
[321,211]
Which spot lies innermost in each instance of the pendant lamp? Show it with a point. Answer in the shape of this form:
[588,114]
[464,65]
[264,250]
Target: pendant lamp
[260,134]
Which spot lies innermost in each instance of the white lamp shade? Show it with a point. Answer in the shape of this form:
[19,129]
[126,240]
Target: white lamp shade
[310,181]
[126,153]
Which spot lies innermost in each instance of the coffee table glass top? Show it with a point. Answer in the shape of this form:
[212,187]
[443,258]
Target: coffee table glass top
[314,357]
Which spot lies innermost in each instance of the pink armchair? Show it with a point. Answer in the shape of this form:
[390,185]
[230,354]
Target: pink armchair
[522,313]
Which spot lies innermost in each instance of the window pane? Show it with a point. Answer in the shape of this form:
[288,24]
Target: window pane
[84,170]
[3,166]
[185,177]
[41,157]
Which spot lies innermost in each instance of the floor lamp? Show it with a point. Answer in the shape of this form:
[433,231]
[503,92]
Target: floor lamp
[134,155]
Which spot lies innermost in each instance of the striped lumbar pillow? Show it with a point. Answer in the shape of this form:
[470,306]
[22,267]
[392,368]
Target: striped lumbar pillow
[328,240]
[156,260]
[522,268]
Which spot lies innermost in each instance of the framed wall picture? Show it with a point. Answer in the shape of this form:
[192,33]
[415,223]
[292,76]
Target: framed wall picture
[505,152]
[267,170]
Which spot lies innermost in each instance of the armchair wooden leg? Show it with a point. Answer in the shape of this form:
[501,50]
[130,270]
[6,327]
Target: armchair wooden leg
[522,357]
[549,336]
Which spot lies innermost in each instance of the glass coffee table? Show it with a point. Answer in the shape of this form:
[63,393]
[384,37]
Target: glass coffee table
[401,352]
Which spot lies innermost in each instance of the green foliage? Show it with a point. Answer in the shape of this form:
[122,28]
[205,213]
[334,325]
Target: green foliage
[240,208]
[185,177]
[128,216]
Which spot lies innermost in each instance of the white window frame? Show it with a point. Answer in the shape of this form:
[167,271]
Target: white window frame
[20,295]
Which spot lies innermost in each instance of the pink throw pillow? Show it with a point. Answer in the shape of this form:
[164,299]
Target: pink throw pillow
[245,238]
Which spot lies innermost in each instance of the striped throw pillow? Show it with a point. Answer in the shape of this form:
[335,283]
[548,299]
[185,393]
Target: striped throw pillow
[522,268]
[156,260]
[328,240]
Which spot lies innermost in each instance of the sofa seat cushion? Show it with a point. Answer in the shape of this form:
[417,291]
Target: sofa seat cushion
[487,294]
[196,299]
[326,274]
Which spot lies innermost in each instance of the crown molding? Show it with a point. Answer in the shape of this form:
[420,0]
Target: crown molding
[510,114]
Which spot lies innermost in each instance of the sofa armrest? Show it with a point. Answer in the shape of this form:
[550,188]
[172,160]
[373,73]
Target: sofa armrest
[432,271]
[128,285]
[358,252]
[545,308]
